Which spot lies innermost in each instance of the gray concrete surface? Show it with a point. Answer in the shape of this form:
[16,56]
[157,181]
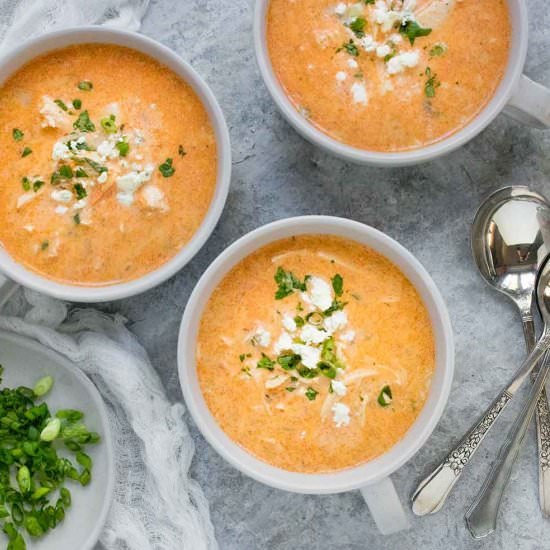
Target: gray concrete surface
[428,209]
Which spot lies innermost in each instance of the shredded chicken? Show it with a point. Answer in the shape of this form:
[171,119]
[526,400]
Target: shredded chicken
[434,13]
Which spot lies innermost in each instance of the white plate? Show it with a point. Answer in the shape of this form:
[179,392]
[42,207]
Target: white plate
[25,361]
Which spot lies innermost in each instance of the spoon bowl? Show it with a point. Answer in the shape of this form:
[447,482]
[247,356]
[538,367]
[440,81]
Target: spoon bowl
[508,241]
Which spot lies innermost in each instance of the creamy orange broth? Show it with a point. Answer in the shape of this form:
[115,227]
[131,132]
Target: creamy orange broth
[276,414]
[133,218]
[377,99]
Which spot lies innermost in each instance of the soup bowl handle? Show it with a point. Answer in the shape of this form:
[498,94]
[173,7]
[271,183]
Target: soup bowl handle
[385,506]
[7,288]
[530,104]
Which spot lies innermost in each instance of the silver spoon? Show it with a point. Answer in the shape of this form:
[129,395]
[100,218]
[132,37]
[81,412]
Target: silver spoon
[481,518]
[508,244]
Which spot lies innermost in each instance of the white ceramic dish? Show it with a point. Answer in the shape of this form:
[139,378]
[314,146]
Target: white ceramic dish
[372,477]
[95,34]
[25,361]
[520,97]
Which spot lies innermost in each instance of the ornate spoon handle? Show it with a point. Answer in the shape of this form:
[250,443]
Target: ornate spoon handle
[433,491]
[481,518]
[542,415]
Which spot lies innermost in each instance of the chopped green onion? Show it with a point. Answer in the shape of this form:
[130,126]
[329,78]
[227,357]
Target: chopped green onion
[85,85]
[43,386]
[123,148]
[36,185]
[17,134]
[24,479]
[61,105]
[315,318]
[265,363]
[79,191]
[77,103]
[385,397]
[109,125]
[311,394]
[51,430]
[26,152]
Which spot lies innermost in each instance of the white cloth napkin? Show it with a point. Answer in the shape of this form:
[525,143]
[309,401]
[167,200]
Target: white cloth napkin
[156,504]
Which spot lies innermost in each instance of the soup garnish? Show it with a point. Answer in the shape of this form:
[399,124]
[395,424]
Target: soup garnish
[112,151]
[388,75]
[315,353]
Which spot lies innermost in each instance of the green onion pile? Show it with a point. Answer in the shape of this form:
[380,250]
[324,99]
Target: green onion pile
[34,445]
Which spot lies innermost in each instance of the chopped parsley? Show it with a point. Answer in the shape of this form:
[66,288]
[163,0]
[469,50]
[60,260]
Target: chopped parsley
[79,191]
[17,134]
[288,283]
[358,26]
[123,148]
[77,103]
[76,218]
[26,183]
[431,84]
[266,363]
[385,397]
[85,85]
[338,284]
[66,171]
[412,30]
[306,372]
[311,394]
[327,369]
[181,151]
[95,165]
[83,123]
[289,361]
[36,185]
[44,245]
[26,152]
[349,47]
[109,124]
[61,104]
[81,173]
[166,168]
[369,2]
[243,356]
[337,305]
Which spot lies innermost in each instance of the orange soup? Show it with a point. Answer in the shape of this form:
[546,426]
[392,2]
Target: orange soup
[315,354]
[109,164]
[389,75]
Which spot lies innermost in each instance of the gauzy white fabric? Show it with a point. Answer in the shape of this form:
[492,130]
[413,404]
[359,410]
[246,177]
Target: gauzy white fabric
[156,504]
[24,19]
